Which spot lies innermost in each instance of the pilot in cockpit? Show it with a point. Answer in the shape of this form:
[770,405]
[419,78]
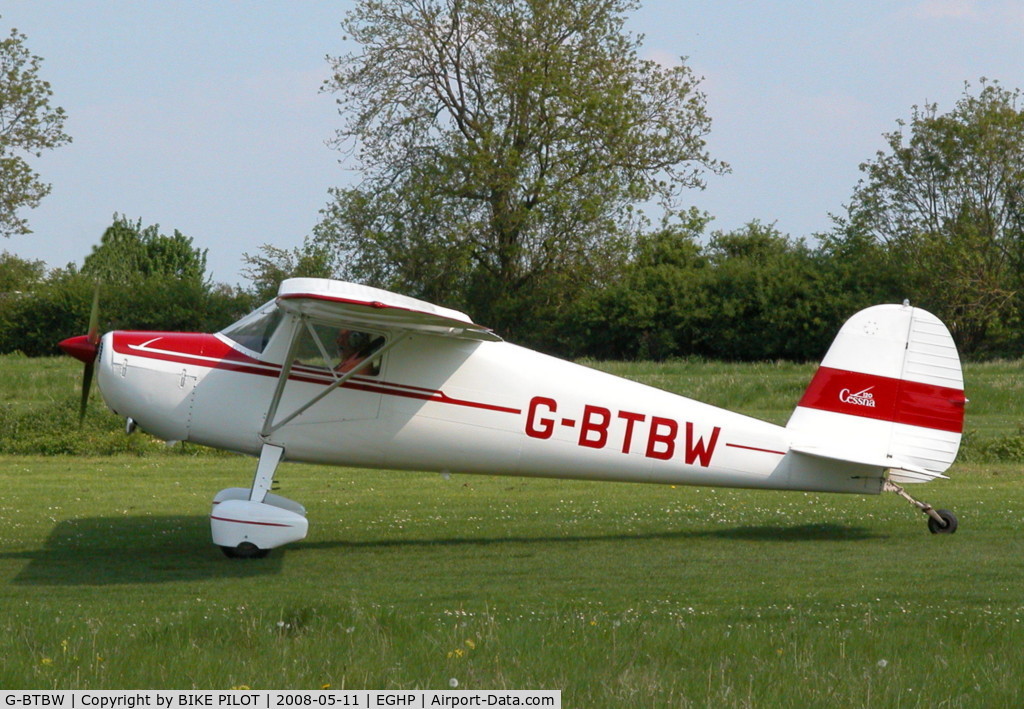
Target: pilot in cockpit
[353,348]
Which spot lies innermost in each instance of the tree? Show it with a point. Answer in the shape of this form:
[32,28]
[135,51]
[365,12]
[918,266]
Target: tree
[18,275]
[947,200]
[766,295]
[149,281]
[128,253]
[504,145]
[652,308]
[28,126]
[272,265]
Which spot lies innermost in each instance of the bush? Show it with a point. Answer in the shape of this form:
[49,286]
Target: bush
[33,323]
[1000,449]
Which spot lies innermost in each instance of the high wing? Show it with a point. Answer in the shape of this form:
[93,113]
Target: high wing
[352,305]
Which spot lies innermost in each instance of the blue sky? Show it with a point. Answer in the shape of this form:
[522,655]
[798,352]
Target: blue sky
[206,116]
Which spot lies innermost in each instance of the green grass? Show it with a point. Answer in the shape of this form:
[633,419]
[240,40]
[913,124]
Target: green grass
[27,382]
[619,595]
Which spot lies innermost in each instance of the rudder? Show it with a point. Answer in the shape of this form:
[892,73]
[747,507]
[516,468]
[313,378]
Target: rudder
[890,390]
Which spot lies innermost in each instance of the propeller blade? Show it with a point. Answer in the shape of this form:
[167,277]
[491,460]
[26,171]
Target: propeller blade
[84,348]
[86,384]
[94,317]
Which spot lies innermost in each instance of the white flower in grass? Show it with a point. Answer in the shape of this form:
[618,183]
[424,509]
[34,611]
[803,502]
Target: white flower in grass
[453,683]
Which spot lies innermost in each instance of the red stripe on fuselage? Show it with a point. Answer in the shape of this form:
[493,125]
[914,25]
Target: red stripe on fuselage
[249,521]
[756,450]
[886,399]
[204,350]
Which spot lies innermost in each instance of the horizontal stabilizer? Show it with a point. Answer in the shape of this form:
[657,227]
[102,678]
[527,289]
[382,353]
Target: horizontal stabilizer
[900,471]
[903,476]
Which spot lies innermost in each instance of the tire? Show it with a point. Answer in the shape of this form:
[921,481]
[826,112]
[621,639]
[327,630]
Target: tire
[245,550]
[951,523]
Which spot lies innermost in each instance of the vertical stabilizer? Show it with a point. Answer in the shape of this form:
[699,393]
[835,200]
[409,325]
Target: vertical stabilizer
[890,389]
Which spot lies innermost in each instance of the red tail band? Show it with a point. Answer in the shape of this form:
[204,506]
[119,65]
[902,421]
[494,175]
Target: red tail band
[886,399]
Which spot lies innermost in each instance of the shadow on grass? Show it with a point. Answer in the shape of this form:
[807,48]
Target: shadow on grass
[121,550]
[823,532]
[96,551]
[797,533]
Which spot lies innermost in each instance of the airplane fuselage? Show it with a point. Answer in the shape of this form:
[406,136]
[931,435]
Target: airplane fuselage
[450,405]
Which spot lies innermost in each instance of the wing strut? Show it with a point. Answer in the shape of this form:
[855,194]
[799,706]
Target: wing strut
[270,424]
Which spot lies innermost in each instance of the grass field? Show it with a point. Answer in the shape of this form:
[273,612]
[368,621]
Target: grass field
[619,595]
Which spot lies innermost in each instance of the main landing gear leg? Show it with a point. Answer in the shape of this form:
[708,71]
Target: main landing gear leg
[247,523]
[939,521]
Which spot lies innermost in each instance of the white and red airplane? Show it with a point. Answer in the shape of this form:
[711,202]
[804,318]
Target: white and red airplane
[339,373]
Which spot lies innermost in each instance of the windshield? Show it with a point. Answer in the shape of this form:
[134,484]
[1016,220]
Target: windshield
[254,330]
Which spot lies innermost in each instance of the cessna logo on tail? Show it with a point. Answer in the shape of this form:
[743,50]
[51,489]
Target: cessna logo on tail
[861,398]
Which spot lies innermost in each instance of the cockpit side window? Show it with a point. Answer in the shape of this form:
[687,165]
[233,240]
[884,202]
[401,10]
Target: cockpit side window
[253,332]
[338,349]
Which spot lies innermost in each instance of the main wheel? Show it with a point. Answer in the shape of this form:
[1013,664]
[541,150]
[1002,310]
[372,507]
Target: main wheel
[950,519]
[245,550]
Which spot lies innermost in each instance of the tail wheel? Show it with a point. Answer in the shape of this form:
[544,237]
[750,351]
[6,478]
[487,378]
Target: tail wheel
[939,521]
[948,517]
